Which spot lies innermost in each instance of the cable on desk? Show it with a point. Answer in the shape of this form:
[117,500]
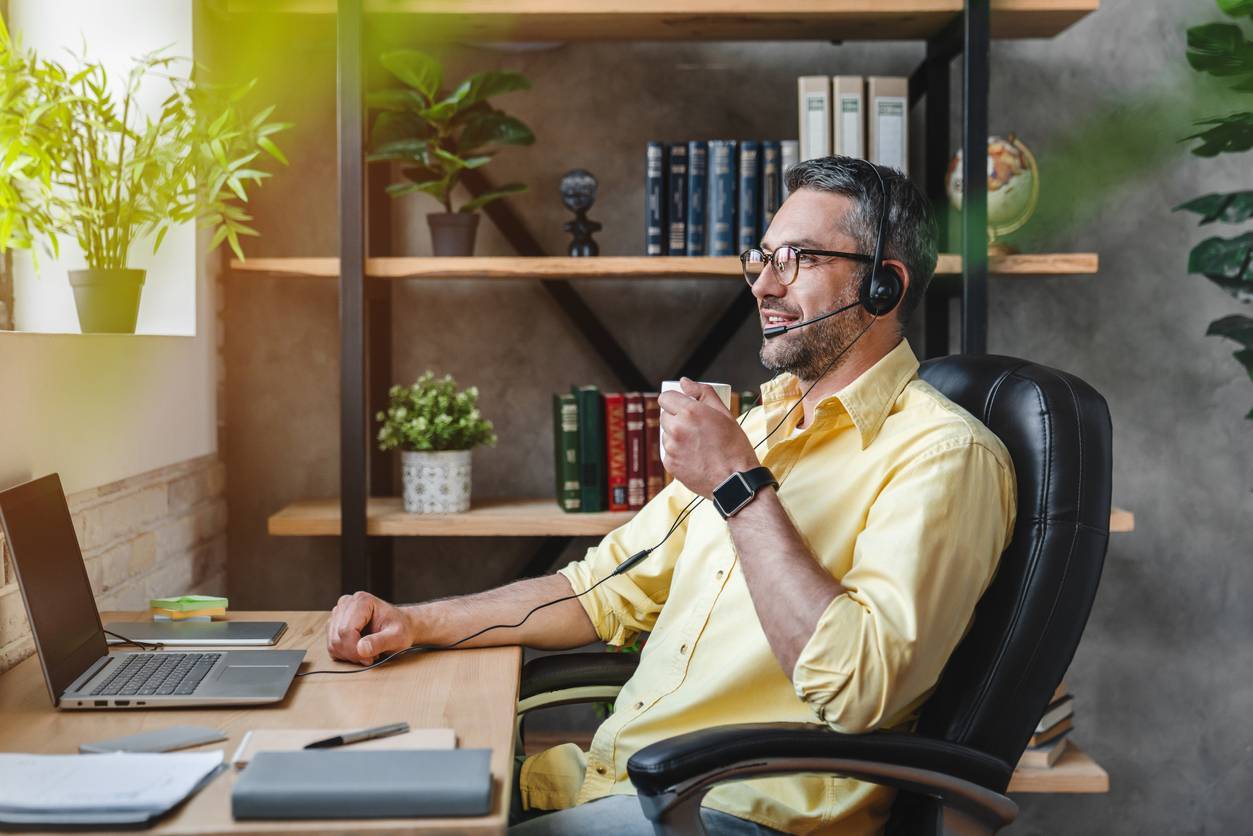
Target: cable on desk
[147,646]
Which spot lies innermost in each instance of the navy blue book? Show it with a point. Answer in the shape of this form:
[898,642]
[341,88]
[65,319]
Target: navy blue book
[749,203]
[720,217]
[697,180]
[655,199]
[771,183]
[676,204]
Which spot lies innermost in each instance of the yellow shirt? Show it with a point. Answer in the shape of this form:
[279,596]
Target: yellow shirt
[902,495]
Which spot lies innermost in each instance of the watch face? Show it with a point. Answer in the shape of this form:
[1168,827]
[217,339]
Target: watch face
[732,493]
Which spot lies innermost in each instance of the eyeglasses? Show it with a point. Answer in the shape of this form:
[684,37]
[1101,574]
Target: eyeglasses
[786,261]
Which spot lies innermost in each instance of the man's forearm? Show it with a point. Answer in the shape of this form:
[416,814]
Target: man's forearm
[789,587]
[557,627]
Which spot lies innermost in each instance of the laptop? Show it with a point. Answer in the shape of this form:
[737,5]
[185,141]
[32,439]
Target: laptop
[70,639]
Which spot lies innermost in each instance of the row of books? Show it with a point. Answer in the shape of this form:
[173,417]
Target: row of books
[855,116]
[713,197]
[1051,734]
[718,196]
[607,448]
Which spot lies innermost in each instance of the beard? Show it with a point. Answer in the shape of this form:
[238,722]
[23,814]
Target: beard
[808,352]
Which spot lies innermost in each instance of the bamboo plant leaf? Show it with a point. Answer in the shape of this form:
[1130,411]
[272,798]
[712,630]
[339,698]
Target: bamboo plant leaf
[496,194]
[1228,207]
[417,69]
[1226,262]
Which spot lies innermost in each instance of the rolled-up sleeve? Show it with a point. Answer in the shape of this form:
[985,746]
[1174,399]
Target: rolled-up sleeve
[622,607]
[929,549]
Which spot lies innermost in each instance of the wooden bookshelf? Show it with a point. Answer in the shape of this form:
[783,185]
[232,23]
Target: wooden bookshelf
[1074,771]
[691,20]
[623,267]
[487,518]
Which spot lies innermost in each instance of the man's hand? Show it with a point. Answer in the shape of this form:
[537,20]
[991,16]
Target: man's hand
[704,444]
[363,627]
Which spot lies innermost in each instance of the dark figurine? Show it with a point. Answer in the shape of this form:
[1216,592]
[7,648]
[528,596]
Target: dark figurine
[578,193]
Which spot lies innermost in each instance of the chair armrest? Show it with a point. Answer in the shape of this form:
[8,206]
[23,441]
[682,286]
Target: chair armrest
[673,775]
[565,671]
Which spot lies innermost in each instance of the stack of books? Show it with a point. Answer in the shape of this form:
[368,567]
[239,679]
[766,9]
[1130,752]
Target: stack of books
[1051,734]
[607,448]
[714,197]
[187,608]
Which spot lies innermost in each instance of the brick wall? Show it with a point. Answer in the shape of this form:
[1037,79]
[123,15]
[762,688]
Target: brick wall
[159,533]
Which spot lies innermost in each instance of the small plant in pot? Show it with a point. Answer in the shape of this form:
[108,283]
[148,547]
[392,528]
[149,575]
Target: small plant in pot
[85,162]
[439,136]
[435,427]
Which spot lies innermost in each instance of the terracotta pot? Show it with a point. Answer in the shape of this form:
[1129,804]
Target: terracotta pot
[452,233]
[107,299]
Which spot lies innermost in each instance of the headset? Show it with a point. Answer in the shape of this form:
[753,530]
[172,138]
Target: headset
[879,293]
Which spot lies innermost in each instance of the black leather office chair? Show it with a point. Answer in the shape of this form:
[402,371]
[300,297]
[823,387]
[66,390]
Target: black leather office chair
[952,773]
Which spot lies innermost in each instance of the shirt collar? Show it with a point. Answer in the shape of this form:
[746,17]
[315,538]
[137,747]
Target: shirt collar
[867,400]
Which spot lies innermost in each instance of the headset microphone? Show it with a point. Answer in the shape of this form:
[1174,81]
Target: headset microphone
[779,330]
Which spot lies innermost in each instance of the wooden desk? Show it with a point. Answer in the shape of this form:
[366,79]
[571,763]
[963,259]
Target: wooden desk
[473,691]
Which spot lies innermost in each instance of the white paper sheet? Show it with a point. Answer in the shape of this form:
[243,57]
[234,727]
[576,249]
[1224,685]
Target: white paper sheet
[116,782]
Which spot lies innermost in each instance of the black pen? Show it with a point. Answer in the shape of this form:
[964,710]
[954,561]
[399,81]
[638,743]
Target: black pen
[358,736]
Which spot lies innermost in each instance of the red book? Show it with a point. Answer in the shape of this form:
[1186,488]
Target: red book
[616,451]
[654,473]
[636,468]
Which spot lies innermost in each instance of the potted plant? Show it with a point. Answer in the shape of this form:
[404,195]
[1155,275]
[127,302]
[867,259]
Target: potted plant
[440,136]
[435,427]
[83,162]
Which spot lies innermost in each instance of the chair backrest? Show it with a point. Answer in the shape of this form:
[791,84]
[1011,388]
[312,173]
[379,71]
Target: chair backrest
[1028,623]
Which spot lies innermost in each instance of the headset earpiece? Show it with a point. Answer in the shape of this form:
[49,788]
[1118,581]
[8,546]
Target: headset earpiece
[881,289]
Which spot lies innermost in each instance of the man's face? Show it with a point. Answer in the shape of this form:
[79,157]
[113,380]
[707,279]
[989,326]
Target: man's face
[812,219]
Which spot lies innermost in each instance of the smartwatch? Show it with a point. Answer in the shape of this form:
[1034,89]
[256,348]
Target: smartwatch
[739,489]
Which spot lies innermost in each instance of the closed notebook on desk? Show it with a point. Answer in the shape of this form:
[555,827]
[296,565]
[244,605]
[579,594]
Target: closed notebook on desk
[331,784]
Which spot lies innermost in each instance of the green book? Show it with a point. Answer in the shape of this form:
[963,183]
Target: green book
[591,448]
[566,451]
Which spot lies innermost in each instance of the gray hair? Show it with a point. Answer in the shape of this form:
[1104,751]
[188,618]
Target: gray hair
[910,236]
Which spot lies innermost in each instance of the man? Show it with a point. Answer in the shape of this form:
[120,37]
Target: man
[835,598]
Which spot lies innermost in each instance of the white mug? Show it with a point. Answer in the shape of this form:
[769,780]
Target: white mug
[723,390]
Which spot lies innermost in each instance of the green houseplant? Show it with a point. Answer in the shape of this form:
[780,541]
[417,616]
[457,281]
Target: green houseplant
[1222,51]
[439,136]
[435,426]
[85,162]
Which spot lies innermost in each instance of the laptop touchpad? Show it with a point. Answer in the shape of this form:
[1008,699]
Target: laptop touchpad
[250,674]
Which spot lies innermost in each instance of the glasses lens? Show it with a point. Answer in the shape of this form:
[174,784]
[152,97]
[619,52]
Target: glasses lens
[753,261]
[785,264]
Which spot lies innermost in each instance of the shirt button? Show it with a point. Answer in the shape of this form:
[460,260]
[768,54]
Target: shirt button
[639,705]
[600,770]
[719,575]
[683,650]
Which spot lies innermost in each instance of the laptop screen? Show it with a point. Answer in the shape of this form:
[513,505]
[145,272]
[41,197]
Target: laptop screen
[50,570]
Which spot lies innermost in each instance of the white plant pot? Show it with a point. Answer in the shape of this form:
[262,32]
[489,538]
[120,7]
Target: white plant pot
[436,482]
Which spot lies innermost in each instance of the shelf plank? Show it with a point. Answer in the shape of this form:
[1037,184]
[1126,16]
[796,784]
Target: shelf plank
[1075,771]
[1121,520]
[623,267]
[703,20]
[487,518]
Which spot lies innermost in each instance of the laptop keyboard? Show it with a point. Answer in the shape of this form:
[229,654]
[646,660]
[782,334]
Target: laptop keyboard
[157,674]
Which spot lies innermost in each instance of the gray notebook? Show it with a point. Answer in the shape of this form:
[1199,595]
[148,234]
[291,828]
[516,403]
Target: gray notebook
[347,784]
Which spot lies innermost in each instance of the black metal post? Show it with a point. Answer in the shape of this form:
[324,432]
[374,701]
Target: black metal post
[353,470]
[934,77]
[974,224]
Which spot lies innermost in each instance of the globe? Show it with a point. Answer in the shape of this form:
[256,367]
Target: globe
[1013,186]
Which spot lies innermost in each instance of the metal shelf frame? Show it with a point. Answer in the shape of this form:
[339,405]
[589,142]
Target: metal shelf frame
[365,304]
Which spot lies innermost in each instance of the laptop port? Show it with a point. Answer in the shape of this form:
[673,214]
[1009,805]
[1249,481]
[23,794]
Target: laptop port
[121,702]
[101,703]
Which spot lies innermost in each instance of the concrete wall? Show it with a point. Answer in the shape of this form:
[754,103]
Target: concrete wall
[1162,696]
